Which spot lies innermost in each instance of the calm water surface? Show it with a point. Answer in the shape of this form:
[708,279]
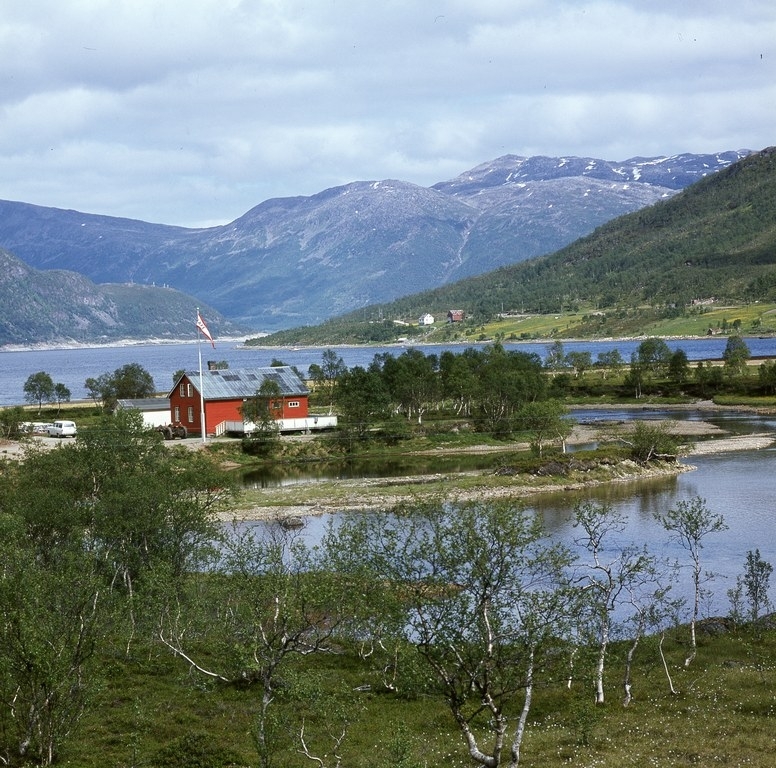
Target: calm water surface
[72,367]
[740,485]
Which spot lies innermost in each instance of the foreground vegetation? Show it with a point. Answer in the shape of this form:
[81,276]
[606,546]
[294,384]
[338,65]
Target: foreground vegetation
[411,637]
[150,710]
[135,629]
[402,640]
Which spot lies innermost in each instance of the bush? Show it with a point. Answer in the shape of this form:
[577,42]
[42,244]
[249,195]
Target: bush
[261,446]
[10,423]
[652,440]
[395,431]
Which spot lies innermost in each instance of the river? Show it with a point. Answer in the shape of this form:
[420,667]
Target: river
[737,484]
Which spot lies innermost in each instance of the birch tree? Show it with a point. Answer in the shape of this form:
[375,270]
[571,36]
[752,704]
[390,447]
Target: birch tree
[326,375]
[651,607]
[506,381]
[613,576]
[270,601]
[458,372]
[757,577]
[484,600]
[86,532]
[735,356]
[688,524]
[39,388]
[754,583]
[545,420]
[412,380]
[51,618]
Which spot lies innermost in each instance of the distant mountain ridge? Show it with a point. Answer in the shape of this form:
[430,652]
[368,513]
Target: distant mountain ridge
[300,260]
[675,172]
[61,307]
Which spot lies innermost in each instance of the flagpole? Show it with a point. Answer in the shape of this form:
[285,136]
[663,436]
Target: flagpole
[201,386]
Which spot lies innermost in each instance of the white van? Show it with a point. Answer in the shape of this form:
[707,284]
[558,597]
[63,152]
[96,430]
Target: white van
[62,429]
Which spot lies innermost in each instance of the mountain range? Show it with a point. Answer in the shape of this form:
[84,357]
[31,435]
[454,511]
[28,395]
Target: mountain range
[301,260]
[712,246]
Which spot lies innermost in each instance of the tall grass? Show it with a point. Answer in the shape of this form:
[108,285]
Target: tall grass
[152,712]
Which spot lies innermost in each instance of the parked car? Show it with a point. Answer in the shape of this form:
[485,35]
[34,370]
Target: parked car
[62,429]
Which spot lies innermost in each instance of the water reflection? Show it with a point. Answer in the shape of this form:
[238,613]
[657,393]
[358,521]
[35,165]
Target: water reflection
[642,498]
[738,484]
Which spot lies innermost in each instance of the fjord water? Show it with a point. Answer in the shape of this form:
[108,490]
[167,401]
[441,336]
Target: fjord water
[72,367]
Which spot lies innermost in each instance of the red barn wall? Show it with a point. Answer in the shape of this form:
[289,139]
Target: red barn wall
[217,411]
[299,412]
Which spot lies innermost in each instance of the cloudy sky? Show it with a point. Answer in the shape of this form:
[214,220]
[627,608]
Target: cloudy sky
[191,112]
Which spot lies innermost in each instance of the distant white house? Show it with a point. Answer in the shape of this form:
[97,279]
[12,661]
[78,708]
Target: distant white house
[426,319]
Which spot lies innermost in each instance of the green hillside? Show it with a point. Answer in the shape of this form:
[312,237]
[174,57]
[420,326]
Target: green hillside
[715,242]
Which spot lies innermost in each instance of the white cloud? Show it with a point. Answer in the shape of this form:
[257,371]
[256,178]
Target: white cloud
[192,113]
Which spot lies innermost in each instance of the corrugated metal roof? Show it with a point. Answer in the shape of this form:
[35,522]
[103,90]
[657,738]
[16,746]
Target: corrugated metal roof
[146,403]
[232,383]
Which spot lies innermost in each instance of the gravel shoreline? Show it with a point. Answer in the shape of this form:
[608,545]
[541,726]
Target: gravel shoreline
[371,495]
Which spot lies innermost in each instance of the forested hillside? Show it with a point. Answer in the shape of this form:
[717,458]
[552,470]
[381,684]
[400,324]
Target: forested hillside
[716,239]
[57,306]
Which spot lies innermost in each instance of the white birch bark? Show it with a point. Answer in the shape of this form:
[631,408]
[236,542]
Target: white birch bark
[520,730]
[626,684]
[665,664]
[599,669]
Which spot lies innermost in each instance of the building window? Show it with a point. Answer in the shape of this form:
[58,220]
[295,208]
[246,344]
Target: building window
[189,390]
[190,414]
[293,403]
[177,414]
[183,389]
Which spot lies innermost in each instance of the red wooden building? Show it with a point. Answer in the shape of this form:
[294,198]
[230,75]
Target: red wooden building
[225,392]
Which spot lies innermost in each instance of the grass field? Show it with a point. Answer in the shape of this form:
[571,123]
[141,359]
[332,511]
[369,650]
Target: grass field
[151,711]
[751,319]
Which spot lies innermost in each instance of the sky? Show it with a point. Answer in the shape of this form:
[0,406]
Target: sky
[191,112]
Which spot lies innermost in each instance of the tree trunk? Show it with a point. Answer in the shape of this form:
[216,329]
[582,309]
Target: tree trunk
[572,656]
[476,754]
[626,684]
[520,730]
[695,609]
[599,672]
[665,664]
[262,741]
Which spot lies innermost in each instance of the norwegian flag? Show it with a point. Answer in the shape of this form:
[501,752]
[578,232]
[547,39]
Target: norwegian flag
[205,332]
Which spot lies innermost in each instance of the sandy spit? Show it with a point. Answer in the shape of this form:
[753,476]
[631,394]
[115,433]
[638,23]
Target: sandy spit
[358,500]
